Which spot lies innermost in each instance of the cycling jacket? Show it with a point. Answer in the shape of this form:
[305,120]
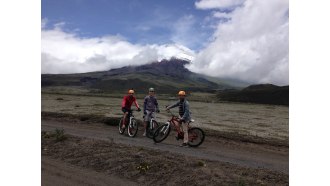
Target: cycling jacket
[128,101]
[150,104]
[186,112]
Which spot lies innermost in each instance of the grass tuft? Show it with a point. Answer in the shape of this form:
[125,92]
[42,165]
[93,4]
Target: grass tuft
[143,167]
[59,135]
[201,164]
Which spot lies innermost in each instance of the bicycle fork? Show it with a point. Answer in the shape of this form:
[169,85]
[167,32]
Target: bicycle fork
[151,124]
[130,120]
[164,129]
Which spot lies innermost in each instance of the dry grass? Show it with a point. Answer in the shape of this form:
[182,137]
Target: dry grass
[265,121]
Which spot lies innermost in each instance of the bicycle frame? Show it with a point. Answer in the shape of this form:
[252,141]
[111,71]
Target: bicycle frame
[130,116]
[175,121]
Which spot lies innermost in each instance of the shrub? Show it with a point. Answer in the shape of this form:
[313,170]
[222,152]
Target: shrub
[45,134]
[143,167]
[59,135]
[201,164]
[84,118]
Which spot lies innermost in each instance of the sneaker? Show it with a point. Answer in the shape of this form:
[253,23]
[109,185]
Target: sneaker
[144,134]
[184,145]
[123,126]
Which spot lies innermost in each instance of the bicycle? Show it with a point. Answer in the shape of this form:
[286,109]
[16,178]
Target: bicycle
[196,135]
[152,125]
[132,127]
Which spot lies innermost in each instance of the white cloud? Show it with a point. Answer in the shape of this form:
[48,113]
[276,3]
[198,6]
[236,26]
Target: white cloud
[44,22]
[252,46]
[221,15]
[213,4]
[63,52]
[182,31]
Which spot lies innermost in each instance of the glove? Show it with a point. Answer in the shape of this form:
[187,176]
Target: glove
[138,109]
[157,110]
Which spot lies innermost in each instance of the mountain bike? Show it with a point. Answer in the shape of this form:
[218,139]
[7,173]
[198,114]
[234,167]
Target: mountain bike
[196,135]
[152,125]
[131,125]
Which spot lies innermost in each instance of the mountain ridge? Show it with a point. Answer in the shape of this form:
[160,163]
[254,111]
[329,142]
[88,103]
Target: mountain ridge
[167,76]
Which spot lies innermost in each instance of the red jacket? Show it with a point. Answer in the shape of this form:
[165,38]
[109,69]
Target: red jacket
[128,101]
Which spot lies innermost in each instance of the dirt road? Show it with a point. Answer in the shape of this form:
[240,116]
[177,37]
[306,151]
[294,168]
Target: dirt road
[55,172]
[216,149]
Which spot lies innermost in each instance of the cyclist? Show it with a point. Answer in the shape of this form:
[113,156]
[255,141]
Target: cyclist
[150,105]
[127,104]
[184,113]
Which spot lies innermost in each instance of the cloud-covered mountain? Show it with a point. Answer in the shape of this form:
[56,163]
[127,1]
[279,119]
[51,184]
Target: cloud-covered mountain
[167,76]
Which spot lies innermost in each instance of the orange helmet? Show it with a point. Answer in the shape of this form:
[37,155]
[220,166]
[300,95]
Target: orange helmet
[182,93]
[131,91]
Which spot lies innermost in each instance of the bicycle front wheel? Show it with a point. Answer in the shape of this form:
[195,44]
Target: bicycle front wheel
[196,137]
[154,126]
[161,133]
[132,128]
[121,130]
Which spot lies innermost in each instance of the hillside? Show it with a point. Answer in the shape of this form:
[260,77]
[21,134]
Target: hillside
[167,76]
[262,93]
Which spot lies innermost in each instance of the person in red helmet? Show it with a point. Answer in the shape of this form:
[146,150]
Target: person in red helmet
[126,105]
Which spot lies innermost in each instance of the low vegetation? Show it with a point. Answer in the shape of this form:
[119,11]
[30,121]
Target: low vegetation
[143,167]
[59,135]
[254,121]
[263,94]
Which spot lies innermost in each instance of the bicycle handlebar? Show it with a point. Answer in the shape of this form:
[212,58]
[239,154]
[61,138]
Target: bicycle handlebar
[169,111]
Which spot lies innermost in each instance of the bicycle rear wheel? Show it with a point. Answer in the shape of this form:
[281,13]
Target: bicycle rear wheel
[132,128]
[196,137]
[121,130]
[150,132]
[161,133]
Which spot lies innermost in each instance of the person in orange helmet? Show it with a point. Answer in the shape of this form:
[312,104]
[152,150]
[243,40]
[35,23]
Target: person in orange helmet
[184,113]
[126,105]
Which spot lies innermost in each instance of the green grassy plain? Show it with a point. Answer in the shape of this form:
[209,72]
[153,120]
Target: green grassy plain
[265,121]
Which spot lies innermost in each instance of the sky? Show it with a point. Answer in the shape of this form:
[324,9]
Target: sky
[234,39]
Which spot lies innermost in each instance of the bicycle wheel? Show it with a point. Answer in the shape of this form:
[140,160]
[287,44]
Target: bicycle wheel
[196,137]
[132,128]
[150,132]
[121,130]
[161,133]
